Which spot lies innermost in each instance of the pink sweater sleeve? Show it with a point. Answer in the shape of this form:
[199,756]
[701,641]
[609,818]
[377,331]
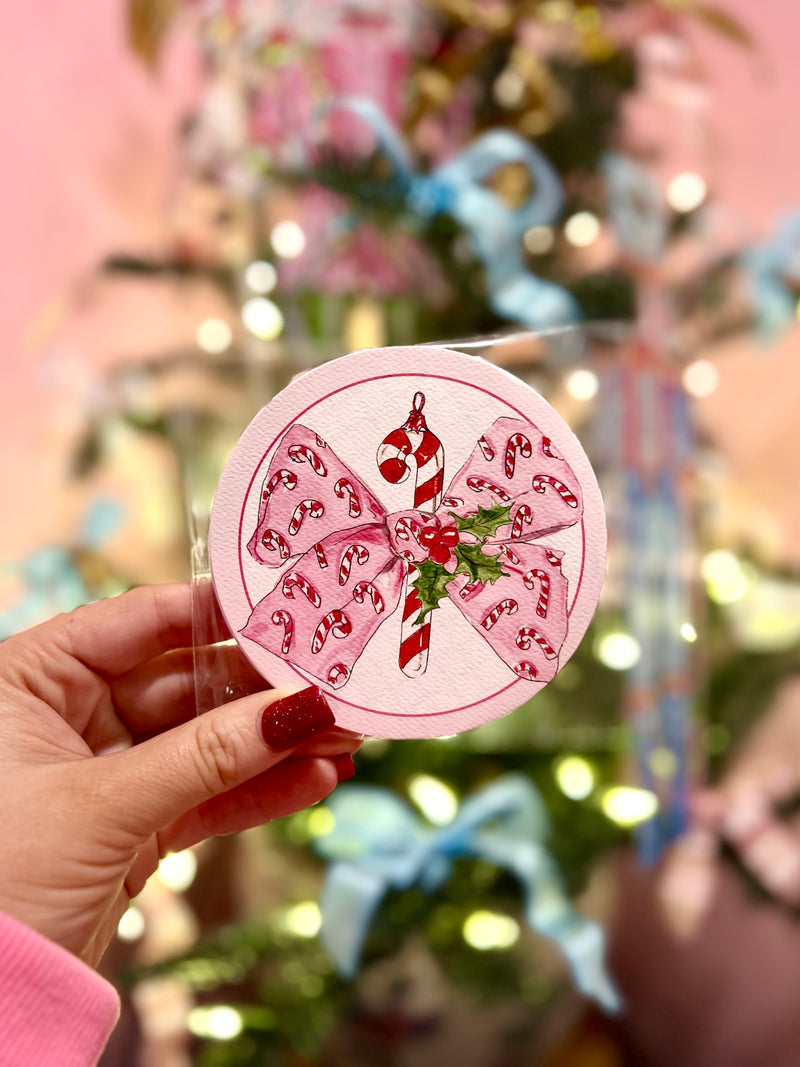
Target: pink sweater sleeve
[54,1009]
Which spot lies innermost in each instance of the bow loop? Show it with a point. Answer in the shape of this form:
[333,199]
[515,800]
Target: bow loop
[378,843]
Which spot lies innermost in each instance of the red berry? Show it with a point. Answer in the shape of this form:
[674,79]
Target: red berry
[450,536]
[430,536]
[439,554]
[394,470]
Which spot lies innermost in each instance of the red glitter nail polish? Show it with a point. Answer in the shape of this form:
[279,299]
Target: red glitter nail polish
[295,719]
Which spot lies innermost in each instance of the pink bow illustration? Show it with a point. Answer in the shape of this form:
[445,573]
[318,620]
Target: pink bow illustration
[346,559]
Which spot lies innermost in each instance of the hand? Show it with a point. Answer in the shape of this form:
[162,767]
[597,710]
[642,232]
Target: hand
[104,766]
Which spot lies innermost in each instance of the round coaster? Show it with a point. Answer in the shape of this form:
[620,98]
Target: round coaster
[415,531]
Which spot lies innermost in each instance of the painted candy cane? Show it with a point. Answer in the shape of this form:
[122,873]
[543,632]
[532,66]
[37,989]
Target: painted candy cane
[477,485]
[525,670]
[452,502]
[509,553]
[486,449]
[406,528]
[524,515]
[344,488]
[554,558]
[336,623]
[362,590]
[523,639]
[505,607]
[541,481]
[517,442]
[281,477]
[530,578]
[549,449]
[338,675]
[304,454]
[414,441]
[322,559]
[272,540]
[354,552]
[313,508]
[293,581]
[284,619]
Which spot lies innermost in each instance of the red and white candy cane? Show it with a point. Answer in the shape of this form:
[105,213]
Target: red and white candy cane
[322,559]
[338,675]
[541,481]
[505,607]
[517,442]
[313,508]
[362,590]
[478,485]
[413,441]
[524,515]
[272,540]
[293,581]
[553,558]
[486,449]
[284,619]
[354,552]
[304,454]
[281,477]
[344,488]
[549,449]
[523,639]
[530,578]
[525,670]
[509,553]
[336,623]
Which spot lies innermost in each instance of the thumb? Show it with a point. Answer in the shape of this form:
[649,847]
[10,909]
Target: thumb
[158,780]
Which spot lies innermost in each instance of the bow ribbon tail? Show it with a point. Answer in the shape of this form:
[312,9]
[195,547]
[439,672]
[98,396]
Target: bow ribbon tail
[549,911]
[350,898]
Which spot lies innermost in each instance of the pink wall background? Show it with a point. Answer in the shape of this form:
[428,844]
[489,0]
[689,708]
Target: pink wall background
[90,155]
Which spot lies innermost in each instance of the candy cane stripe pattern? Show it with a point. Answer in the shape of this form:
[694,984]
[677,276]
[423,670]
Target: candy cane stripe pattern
[413,440]
[283,477]
[368,566]
[526,670]
[524,515]
[518,442]
[293,581]
[302,453]
[284,619]
[354,552]
[272,540]
[541,481]
[311,508]
[344,488]
[338,675]
[526,633]
[530,578]
[507,607]
[478,485]
[336,623]
[486,450]
[549,450]
[362,590]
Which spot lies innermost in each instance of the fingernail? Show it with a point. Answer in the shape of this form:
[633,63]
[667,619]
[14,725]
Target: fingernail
[296,718]
[345,768]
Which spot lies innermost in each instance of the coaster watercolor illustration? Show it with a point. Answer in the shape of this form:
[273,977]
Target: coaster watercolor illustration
[415,531]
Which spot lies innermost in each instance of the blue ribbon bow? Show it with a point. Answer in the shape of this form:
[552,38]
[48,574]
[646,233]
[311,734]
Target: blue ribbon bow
[378,843]
[496,230]
[774,270]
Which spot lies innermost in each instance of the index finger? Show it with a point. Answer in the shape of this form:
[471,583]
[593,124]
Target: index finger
[113,636]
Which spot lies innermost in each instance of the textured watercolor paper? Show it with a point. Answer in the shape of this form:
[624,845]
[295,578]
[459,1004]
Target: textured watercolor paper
[414,530]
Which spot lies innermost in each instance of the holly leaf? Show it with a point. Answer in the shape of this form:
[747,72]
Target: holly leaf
[480,567]
[430,585]
[484,522]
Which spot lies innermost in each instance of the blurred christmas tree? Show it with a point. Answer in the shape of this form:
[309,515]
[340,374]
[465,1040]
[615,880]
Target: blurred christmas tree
[330,228]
